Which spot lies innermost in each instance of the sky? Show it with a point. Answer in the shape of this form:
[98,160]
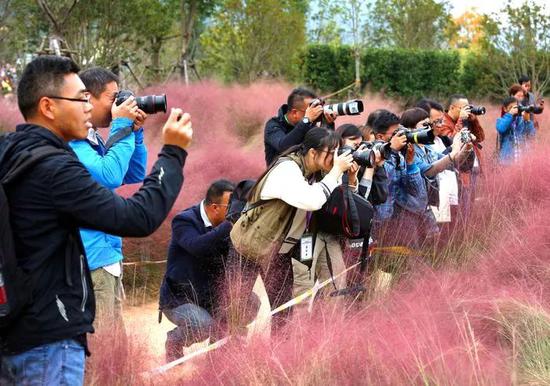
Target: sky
[488,6]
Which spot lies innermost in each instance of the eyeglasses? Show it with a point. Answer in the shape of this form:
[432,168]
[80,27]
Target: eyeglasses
[437,122]
[82,100]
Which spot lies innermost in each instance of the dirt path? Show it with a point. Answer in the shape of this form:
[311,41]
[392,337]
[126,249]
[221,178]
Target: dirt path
[143,322]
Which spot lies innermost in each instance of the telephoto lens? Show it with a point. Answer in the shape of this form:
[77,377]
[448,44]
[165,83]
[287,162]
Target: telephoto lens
[362,158]
[423,136]
[149,104]
[477,110]
[352,107]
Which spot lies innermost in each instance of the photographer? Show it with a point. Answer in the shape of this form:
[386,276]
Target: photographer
[328,257]
[447,182]
[45,342]
[459,116]
[274,228]
[406,188]
[437,168]
[122,162]
[195,268]
[291,124]
[372,181]
[513,128]
[529,99]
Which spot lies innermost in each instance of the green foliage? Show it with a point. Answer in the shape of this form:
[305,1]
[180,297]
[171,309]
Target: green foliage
[411,73]
[327,67]
[423,24]
[248,39]
[396,72]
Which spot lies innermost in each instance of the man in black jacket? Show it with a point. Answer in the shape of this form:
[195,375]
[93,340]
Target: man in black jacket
[46,343]
[188,295]
[291,124]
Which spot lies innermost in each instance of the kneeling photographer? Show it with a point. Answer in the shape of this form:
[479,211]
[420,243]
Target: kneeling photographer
[273,227]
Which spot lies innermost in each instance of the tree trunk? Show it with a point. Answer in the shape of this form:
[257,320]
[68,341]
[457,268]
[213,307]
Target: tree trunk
[156,46]
[189,10]
[357,70]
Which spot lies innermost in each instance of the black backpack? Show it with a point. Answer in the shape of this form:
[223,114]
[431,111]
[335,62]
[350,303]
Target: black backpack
[15,285]
[238,200]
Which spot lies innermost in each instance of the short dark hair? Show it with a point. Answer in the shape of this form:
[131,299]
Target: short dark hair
[508,100]
[455,98]
[428,104]
[43,76]
[96,79]
[298,95]
[384,121]
[372,117]
[348,130]
[411,117]
[524,79]
[216,190]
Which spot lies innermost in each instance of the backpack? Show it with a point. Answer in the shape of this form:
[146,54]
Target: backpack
[238,200]
[15,285]
[345,213]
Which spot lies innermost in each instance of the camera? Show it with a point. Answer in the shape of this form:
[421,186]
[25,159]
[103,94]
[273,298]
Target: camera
[351,107]
[363,158]
[465,136]
[423,136]
[477,110]
[530,109]
[384,148]
[150,104]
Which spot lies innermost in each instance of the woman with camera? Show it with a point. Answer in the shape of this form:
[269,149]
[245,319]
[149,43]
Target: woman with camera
[274,227]
[438,170]
[513,128]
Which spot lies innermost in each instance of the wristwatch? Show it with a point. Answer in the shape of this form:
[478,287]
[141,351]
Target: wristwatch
[306,120]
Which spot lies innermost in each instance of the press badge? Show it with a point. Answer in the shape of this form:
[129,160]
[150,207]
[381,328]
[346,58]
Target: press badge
[306,247]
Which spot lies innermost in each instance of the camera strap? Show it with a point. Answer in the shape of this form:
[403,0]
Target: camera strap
[118,136]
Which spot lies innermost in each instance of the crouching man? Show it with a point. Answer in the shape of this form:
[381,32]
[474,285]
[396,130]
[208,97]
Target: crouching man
[188,295]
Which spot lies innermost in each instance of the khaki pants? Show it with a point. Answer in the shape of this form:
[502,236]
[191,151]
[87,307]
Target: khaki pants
[108,292]
[325,245]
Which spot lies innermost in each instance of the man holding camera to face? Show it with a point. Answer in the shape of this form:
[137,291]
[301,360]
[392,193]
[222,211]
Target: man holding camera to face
[120,160]
[291,124]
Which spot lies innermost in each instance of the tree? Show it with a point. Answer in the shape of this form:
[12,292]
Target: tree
[248,39]
[469,31]
[520,44]
[325,23]
[353,16]
[193,14]
[423,24]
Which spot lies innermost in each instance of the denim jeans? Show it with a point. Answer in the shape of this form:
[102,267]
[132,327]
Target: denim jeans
[194,324]
[58,363]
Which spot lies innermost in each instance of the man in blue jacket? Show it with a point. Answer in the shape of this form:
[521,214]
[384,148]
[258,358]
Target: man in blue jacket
[188,295]
[122,160]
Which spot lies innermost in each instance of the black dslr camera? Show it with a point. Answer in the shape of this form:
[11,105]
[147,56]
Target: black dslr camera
[150,104]
[384,148]
[363,158]
[423,136]
[530,109]
[477,110]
